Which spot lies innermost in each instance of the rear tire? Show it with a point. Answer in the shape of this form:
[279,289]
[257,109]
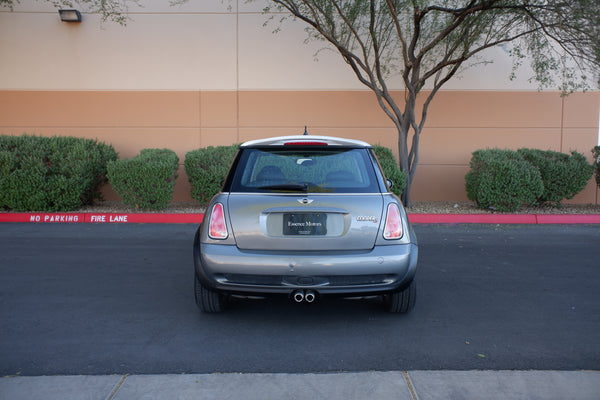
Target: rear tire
[208,301]
[402,301]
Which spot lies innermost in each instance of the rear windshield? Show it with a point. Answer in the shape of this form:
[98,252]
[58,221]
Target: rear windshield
[305,170]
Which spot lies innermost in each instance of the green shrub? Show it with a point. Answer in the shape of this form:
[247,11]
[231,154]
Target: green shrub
[7,163]
[146,181]
[391,169]
[563,176]
[596,153]
[51,173]
[25,187]
[207,168]
[502,180]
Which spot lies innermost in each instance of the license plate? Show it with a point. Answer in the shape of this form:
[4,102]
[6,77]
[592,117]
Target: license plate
[305,224]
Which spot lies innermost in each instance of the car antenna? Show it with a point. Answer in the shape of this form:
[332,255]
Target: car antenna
[305,131]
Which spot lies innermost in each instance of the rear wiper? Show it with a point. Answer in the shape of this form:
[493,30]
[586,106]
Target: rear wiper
[302,187]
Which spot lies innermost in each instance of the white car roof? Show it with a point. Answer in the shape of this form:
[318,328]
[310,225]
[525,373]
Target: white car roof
[297,139]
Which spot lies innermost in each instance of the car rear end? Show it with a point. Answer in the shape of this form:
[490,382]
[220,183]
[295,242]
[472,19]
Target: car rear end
[304,216]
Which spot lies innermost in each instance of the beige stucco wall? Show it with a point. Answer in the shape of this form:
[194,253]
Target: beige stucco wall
[209,74]
[200,45]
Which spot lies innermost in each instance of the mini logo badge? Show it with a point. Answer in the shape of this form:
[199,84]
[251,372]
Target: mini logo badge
[304,200]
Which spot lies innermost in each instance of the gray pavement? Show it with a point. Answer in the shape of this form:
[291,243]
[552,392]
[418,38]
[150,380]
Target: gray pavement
[437,330]
[398,385]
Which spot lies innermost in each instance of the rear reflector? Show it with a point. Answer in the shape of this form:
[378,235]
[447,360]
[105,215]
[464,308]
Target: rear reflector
[306,144]
[217,228]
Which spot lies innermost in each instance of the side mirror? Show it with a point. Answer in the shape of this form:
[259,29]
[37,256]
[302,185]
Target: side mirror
[390,183]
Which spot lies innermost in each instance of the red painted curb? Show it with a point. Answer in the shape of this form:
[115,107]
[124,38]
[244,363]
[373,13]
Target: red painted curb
[177,218]
[472,218]
[568,219]
[504,218]
[144,218]
[42,217]
[101,218]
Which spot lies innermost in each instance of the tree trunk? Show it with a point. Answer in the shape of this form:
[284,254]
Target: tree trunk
[403,152]
[409,156]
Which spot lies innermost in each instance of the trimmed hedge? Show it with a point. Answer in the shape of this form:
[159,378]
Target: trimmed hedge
[596,153]
[390,168]
[563,176]
[146,181]
[502,180]
[207,168]
[506,179]
[57,173]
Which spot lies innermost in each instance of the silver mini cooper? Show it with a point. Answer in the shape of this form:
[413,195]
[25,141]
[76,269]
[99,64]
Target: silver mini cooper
[305,216]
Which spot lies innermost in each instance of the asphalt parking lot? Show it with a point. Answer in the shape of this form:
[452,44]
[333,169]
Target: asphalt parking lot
[85,299]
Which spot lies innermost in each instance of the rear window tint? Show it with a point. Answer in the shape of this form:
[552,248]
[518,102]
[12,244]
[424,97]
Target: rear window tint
[305,170]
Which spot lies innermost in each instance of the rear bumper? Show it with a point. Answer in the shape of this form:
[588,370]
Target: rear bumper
[383,269]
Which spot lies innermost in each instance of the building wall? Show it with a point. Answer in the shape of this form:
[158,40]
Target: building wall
[203,74]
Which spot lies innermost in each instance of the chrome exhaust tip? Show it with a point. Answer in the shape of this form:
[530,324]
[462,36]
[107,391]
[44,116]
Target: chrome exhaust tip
[310,296]
[298,296]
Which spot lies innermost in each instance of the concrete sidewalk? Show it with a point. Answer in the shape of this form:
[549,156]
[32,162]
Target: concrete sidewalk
[397,385]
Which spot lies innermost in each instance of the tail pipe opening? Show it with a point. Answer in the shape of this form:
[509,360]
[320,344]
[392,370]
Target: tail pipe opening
[298,296]
[307,296]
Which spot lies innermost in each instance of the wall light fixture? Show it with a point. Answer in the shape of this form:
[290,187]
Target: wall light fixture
[70,15]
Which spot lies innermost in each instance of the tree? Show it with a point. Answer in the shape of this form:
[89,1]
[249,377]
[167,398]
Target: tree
[427,42]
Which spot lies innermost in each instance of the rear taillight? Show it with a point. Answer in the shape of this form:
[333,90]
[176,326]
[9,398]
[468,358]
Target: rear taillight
[217,228]
[393,223]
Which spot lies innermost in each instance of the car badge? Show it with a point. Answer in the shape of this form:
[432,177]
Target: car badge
[305,200]
[367,218]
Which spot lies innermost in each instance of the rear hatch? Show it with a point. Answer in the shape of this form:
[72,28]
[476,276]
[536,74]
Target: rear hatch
[308,193]
[305,221]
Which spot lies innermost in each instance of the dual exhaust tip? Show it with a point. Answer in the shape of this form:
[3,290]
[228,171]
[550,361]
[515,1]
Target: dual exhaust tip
[307,296]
